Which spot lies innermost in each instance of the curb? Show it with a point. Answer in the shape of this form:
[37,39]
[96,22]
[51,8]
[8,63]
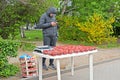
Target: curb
[68,70]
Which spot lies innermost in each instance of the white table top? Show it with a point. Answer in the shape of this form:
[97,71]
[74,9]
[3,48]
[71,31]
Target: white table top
[65,55]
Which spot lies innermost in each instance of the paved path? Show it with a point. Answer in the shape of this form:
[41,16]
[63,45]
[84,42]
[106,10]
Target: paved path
[105,71]
[108,70]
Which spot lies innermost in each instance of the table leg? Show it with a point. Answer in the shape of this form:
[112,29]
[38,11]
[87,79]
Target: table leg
[91,66]
[40,68]
[72,65]
[58,69]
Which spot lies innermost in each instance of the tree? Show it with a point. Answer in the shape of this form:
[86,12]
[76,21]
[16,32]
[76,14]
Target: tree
[16,13]
[85,8]
[81,10]
[6,19]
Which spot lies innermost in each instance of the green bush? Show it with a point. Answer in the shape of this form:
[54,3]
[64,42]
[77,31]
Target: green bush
[8,49]
[96,30]
[68,29]
[9,70]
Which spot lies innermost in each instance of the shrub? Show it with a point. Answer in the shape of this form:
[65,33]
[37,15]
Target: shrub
[9,70]
[8,49]
[68,29]
[98,29]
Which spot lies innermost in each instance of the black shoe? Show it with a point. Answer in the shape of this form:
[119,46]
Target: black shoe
[45,67]
[52,66]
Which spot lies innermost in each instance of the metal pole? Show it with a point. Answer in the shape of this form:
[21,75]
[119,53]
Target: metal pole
[91,66]
[58,69]
[72,65]
[40,68]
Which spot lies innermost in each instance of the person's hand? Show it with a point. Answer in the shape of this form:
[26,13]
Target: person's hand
[54,23]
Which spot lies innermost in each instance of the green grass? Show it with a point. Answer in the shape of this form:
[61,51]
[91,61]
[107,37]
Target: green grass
[36,35]
[75,42]
[31,35]
[27,46]
[109,45]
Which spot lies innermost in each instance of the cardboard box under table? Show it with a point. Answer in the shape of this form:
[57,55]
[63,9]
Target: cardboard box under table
[66,51]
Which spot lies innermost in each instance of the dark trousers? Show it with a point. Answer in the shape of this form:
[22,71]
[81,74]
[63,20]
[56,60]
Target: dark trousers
[50,61]
[50,41]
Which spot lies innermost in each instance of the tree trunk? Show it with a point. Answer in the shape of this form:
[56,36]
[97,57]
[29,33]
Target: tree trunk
[22,31]
[64,7]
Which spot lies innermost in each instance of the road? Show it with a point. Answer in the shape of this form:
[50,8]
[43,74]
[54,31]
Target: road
[105,71]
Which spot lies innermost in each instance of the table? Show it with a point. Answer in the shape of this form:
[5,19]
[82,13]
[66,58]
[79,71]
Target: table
[58,57]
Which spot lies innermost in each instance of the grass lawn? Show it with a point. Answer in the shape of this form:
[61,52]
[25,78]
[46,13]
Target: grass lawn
[31,35]
[36,35]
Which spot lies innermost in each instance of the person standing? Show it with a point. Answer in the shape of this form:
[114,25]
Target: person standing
[49,28]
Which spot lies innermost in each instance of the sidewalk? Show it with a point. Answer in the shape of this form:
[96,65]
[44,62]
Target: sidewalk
[105,71]
[81,64]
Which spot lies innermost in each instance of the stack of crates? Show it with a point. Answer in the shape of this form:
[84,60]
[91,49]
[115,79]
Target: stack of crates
[28,66]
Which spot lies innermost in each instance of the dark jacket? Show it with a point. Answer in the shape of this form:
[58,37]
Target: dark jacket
[45,22]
